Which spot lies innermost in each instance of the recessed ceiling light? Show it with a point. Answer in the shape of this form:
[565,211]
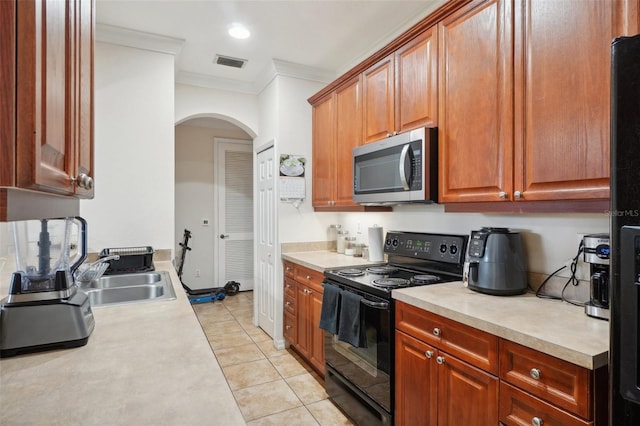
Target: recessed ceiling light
[238,31]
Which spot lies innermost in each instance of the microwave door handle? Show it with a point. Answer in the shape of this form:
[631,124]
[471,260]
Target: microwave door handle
[403,159]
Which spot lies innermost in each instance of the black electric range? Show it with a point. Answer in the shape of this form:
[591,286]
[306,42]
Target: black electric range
[414,259]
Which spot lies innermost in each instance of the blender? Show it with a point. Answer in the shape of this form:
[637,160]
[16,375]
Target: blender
[44,309]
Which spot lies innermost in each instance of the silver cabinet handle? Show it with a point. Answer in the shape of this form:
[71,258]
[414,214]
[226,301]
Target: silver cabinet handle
[440,360]
[288,327]
[502,195]
[288,285]
[535,373]
[395,133]
[308,277]
[517,194]
[83,181]
[288,303]
[428,354]
[436,331]
[388,135]
[537,421]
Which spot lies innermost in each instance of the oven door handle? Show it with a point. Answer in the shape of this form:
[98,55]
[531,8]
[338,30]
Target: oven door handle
[376,305]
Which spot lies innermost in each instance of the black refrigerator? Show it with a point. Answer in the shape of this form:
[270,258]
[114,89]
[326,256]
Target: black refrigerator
[624,354]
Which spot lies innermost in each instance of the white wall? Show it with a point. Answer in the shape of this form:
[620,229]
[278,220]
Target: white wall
[194,153]
[238,108]
[134,157]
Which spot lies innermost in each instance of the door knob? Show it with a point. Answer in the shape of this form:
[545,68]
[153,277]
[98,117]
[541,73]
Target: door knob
[223,236]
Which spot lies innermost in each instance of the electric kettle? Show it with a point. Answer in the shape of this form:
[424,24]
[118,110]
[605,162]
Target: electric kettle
[495,262]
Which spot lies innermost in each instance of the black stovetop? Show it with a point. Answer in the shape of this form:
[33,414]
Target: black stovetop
[415,259]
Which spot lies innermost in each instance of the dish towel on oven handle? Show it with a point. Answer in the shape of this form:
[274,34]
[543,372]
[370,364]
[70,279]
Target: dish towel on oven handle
[330,308]
[350,329]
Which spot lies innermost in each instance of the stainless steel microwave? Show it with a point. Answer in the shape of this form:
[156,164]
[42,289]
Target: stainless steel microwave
[399,169]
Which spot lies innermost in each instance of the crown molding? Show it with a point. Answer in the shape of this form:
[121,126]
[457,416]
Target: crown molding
[138,39]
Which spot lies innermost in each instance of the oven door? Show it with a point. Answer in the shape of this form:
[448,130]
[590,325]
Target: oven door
[368,369]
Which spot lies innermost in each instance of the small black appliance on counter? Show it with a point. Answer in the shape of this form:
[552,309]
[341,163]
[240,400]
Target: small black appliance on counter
[495,262]
[596,253]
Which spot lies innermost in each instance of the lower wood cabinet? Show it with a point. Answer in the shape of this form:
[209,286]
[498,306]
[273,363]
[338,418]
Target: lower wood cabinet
[449,374]
[302,306]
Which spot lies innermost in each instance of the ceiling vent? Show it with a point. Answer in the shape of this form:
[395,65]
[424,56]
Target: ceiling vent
[228,61]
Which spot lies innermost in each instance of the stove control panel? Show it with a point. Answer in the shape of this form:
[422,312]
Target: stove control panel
[436,247]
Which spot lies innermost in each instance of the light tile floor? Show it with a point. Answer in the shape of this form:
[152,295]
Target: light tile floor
[271,387]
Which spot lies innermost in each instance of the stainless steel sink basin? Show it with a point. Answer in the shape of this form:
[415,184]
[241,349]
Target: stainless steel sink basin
[130,288]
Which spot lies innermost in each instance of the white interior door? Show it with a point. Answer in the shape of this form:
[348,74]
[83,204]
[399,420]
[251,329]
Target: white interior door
[264,296]
[234,207]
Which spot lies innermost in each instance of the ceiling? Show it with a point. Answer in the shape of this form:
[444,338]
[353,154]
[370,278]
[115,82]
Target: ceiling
[328,36]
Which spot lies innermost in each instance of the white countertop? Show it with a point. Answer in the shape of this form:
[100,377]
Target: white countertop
[322,260]
[554,327]
[144,364]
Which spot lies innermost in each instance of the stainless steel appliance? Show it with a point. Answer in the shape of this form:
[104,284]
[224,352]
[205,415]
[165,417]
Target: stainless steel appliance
[495,262]
[596,253]
[44,309]
[624,354]
[399,169]
[360,378]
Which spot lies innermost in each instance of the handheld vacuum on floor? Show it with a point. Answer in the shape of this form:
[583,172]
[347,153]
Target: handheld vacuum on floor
[203,295]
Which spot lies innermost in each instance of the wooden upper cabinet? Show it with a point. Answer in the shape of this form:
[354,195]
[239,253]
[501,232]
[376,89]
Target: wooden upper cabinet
[562,96]
[378,100]
[54,95]
[400,91]
[348,100]
[416,74]
[475,102]
[323,152]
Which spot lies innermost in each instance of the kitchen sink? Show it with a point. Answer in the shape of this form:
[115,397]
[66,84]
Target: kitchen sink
[129,288]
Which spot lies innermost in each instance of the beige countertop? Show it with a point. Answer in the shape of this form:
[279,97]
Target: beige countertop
[323,259]
[144,364]
[550,326]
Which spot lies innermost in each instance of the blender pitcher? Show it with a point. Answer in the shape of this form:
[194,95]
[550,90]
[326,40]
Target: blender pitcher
[44,250]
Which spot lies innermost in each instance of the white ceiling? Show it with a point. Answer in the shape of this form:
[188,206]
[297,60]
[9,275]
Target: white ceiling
[327,35]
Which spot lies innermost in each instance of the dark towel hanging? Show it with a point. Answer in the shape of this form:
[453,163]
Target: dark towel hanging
[330,309]
[350,329]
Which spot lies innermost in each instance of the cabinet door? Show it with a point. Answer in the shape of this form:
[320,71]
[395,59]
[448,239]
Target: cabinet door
[316,351]
[348,136]
[378,100]
[7,92]
[44,145]
[415,382]
[476,102]
[302,320]
[83,75]
[562,79]
[416,68]
[323,152]
[466,395]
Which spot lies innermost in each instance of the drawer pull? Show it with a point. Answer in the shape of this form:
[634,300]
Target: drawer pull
[288,303]
[535,374]
[288,285]
[437,331]
[288,327]
[308,277]
[440,360]
[537,421]
[428,354]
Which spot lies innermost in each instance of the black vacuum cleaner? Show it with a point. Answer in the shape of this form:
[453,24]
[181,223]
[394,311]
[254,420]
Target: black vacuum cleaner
[203,295]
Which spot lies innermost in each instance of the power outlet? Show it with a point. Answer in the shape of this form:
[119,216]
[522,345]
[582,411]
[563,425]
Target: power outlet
[197,273]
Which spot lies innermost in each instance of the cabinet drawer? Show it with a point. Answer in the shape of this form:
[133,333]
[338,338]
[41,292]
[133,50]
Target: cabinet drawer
[520,408]
[289,269]
[289,287]
[559,382]
[308,276]
[467,343]
[290,304]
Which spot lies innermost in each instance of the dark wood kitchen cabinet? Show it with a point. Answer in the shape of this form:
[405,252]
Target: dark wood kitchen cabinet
[48,112]
[446,372]
[400,91]
[524,99]
[302,306]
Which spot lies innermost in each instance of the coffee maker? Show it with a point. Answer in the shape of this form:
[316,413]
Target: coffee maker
[44,309]
[596,253]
